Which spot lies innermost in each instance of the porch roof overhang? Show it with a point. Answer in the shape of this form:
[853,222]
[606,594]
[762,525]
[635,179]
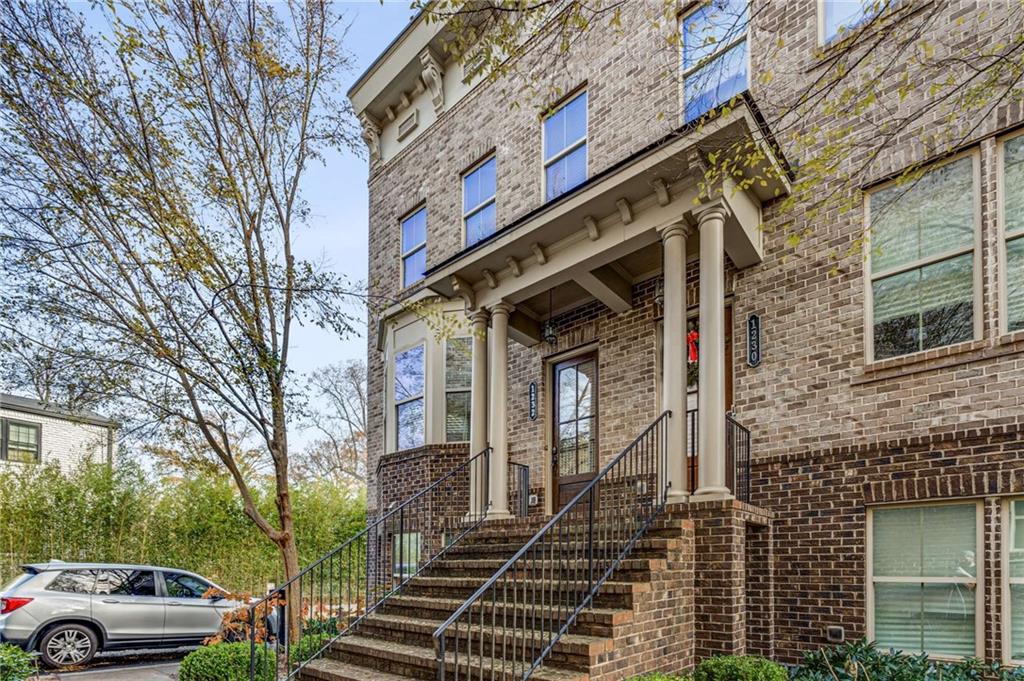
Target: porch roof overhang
[576,237]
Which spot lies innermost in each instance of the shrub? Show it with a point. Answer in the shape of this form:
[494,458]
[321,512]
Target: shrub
[862,660]
[15,663]
[226,662]
[658,676]
[308,646]
[739,668]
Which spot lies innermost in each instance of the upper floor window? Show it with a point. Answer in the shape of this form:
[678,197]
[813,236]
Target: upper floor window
[715,58]
[923,585]
[565,147]
[840,17]
[922,261]
[478,205]
[458,378]
[1013,220]
[20,441]
[414,247]
[410,366]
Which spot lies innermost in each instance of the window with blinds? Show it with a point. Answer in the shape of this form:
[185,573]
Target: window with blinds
[458,376]
[922,235]
[924,579]
[1013,219]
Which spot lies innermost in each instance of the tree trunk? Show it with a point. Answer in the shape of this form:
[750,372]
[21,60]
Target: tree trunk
[290,557]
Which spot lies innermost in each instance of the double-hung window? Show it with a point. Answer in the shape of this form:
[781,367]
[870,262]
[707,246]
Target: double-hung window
[565,147]
[839,17]
[458,375]
[922,234]
[409,408]
[414,247]
[924,591]
[1013,543]
[478,204]
[1013,221]
[715,59]
[19,441]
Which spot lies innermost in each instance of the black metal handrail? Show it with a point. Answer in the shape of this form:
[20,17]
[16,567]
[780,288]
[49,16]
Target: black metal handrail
[737,455]
[519,489]
[512,622]
[340,589]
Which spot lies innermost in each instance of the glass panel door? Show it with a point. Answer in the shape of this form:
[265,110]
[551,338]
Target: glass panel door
[575,439]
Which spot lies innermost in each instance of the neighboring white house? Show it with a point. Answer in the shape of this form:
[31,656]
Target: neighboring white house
[32,432]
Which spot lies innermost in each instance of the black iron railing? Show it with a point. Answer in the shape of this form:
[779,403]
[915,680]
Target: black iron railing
[512,623]
[737,455]
[519,489]
[334,594]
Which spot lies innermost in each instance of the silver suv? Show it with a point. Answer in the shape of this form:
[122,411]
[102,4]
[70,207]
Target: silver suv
[70,611]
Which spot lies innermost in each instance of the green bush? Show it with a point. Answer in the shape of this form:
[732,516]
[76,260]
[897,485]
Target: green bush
[739,668]
[860,660]
[308,646]
[15,663]
[226,662]
[658,676]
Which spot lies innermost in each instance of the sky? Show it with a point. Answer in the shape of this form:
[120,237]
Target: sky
[337,193]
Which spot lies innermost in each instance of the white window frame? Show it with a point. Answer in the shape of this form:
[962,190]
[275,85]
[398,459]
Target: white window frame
[1005,538]
[467,214]
[422,396]
[1005,236]
[825,41]
[979,581]
[448,390]
[569,148]
[687,72]
[976,262]
[415,249]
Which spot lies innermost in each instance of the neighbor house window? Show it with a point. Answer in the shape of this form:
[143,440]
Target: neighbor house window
[478,205]
[1013,219]
[922,236]
[840,17]
[405,554]
[714,38]
[458,375]
[409,412]
[1014,599]
[924,579]
[414,247]
[565,147]
[20,441]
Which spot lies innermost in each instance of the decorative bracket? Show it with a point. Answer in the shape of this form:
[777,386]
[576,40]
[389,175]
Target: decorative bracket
[464,290]
[371,135]
[433,77]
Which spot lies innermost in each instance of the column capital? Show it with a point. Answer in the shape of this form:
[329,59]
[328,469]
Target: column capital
[710,211]
[479,316]
[674,229]
[502,308]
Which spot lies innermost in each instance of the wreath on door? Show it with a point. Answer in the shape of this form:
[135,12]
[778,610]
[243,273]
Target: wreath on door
[692,346]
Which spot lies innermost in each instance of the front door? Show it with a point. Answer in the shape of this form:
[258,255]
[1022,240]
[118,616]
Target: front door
[574,454]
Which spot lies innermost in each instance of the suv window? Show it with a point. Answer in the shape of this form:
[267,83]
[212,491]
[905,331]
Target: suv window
[73,582]
[184,586]
[126,583]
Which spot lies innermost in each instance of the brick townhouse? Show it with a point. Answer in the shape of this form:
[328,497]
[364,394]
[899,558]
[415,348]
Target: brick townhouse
[832,442]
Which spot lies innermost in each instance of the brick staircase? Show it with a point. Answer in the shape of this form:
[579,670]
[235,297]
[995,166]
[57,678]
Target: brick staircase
[635,617]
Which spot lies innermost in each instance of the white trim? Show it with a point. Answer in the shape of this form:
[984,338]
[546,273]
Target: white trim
[569,148]
[976,266]
[1004,235]
[979,582]
[1006,536]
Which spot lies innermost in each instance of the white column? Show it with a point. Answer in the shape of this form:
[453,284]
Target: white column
[478,406]
[673,350]
[499,417]
[711,355]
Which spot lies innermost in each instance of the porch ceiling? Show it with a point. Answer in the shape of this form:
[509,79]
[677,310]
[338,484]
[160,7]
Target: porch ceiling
[602,235]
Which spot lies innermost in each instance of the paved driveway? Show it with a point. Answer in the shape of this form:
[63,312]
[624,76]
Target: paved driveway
[165,671]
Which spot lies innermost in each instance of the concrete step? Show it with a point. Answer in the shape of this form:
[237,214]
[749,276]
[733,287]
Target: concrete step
[613,593]
[596,621]
[648,547]
[418,662]
[326,669]
[631,569]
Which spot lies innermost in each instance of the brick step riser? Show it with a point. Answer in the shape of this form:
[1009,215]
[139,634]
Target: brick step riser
[483,574]
[506,551]
[560,657]
[584,627]
[486,536]
[602,600]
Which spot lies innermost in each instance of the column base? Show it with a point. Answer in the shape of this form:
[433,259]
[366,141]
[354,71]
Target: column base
[495,514]
[712,494]
[677,497]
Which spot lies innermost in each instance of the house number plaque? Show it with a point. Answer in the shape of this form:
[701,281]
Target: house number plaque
[533,401]
[753,340]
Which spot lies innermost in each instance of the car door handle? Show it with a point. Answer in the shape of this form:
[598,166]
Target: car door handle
[173,603]
[111,600]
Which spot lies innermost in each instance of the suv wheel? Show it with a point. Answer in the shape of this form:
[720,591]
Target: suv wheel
[68,644]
